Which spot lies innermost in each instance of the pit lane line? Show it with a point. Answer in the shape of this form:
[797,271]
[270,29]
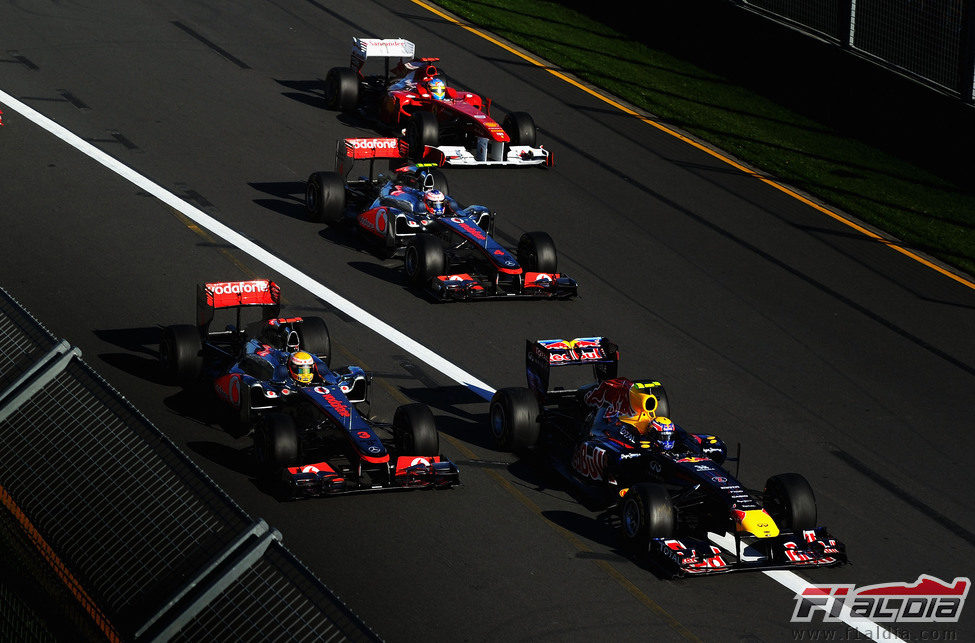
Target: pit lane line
[890,242]
[787,579]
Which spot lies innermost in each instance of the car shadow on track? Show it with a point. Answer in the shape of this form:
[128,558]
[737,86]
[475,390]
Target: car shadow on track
[289,198]
[141,358]
[308,92]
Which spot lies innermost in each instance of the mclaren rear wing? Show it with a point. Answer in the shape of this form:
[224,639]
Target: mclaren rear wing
[236,294]
[350,150]
[542,355]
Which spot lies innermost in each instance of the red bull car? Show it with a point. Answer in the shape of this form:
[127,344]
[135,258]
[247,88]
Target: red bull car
[448,250]
[304,420]
[676,502]
[414,99]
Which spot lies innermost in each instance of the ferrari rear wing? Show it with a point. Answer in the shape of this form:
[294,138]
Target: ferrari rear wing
[236,294]
[363,48]
[544,354]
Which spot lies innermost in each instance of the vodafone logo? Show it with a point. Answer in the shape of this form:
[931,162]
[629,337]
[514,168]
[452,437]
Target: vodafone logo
[373,143]
[309,469]
[422,461]
[238,287]
[381,220]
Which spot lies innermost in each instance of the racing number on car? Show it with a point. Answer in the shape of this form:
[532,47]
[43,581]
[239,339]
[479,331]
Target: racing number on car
[363,435]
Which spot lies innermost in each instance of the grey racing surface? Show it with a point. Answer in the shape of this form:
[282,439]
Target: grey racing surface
[819,350]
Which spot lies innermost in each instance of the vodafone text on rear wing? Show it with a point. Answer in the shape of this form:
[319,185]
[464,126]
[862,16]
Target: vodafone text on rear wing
[236,294]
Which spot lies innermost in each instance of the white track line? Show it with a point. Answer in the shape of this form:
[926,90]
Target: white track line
[785,578]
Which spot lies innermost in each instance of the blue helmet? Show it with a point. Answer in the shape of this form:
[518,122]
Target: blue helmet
[438,88]
[662,432]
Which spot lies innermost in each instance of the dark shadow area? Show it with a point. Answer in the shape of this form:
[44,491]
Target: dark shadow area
[812,77]
[289,198]
[201,406]
[242,461]
[309,92]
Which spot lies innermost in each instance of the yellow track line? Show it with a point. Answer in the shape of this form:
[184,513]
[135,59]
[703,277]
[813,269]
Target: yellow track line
[895,245]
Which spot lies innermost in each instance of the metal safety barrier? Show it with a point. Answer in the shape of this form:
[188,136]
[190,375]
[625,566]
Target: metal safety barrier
[932,41]
[140,534]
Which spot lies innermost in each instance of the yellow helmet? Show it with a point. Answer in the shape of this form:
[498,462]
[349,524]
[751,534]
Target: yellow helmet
[302,367]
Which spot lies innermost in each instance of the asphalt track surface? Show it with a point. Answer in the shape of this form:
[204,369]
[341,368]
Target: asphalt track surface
[819,350]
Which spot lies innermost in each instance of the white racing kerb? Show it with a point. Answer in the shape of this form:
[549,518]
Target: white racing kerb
[787,579]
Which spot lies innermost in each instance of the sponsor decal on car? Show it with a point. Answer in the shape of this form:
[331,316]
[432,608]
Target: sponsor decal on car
[589,461]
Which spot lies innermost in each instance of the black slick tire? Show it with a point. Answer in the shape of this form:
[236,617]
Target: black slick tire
[325,197]
[415,431]
[314,338]
[646,512]
[276,442]
[341,89]
[421,130]
[536,252]
[181,353]
[423,260]
[789,499]
[520,128]
[514,419]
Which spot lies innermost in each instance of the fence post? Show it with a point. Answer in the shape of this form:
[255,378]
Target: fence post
[846,11]
[966,53]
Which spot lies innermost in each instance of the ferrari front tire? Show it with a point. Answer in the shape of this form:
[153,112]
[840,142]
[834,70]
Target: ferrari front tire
[520,127]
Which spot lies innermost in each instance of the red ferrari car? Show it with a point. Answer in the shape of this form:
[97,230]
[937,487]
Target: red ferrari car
[413,99]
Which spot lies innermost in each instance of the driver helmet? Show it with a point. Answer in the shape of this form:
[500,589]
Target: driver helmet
[661,431]
[434,200]
[302,367]
[438,88]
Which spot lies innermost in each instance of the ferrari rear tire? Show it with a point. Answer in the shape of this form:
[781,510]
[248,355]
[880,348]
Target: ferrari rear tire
[536,252]
[790,501]
[181,353]
[325,197]
[276,442]
[341,89]
[514,419]
[520,127]
[314,338]
[424,259]
[421,130]
[646,512]
[439,180]
[416,431]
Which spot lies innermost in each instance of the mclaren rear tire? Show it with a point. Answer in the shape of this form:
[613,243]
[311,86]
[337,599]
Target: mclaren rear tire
[314,338]
[325,197]
[181,353]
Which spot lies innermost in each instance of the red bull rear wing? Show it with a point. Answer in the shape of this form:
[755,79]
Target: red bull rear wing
[543,354]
